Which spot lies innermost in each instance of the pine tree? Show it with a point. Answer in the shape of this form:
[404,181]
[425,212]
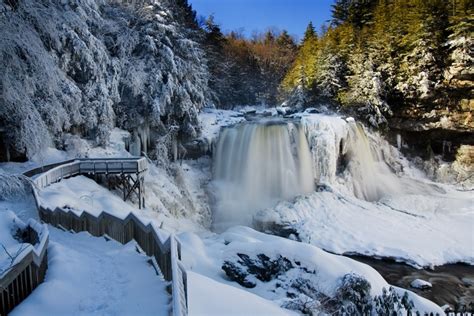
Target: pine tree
[355,12]
[422,63]
[298,98]
[310,33]
[366,89]
[460,41]
[305,63]
[214,43]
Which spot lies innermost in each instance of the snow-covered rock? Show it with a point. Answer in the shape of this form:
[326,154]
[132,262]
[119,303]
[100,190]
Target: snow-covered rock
[421,284]
[288,272]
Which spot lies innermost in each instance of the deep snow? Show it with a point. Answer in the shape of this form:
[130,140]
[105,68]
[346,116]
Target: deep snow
[205,254]
[89,275]
[208,297]
[419,230]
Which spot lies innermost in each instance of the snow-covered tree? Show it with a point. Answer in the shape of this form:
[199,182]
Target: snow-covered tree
[87,66]
[422,61]
[298,98]
[366,89]
[329,75]
[460,42]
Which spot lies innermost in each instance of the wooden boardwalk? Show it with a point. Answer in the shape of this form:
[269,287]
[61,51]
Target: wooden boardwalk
[125,173]
[163,248]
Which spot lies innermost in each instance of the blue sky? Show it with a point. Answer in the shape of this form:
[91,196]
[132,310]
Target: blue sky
[258,15]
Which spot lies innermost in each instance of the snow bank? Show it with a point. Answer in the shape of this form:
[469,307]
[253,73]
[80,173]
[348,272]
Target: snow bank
[417,229]
[208,297]
[211,121]
[206,255]
[81,193]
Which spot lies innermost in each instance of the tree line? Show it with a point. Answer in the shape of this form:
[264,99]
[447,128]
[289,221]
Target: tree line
[375,57]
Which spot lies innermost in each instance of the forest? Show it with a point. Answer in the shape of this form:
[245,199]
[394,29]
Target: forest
[378,60]
[154,162]
[375,57]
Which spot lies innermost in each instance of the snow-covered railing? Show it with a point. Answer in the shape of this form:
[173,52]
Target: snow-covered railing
[27,270]
[179,280]
[165,249]
[49,174]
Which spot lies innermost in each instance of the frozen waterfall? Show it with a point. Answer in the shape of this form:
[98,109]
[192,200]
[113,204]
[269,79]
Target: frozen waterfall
[257,165]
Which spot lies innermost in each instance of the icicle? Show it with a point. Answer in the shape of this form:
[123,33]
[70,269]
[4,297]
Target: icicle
[399,141]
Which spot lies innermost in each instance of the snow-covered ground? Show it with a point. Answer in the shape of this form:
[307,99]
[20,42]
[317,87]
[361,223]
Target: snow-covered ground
[212,120]
[206,254]
[419,230]
[91,276]
[208,297]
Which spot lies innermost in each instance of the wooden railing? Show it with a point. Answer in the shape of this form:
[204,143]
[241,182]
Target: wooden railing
[166,250]
[27,271]
[53,173]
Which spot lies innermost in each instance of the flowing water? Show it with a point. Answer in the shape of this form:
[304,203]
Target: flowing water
[453,284]
[257,165]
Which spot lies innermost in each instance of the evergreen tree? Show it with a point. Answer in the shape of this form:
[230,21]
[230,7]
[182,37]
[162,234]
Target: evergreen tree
[305,62]
[422,62]
[298,97]
[460,41]
[310,33]
[355,12]
[219,66]
[366,89]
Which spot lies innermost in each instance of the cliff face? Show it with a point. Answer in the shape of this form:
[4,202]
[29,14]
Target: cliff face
[85,66]
[445,122]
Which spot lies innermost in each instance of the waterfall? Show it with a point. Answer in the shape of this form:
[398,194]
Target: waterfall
[255,166]
[354,161]
[372,178]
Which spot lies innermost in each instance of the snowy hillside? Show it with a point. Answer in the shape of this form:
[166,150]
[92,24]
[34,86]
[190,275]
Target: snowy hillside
[86,66]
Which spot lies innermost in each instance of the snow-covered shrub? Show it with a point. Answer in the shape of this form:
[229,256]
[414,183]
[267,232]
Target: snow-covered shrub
[298,98]
[390,303]
[353,296]
[299,285]
[76,146]
[12,186]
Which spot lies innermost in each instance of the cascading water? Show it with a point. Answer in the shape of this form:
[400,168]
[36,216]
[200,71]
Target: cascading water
[257,165]
[354,161]
[372,178]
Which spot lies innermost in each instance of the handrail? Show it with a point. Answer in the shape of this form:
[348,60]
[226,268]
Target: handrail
[167,252]
[141,164]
